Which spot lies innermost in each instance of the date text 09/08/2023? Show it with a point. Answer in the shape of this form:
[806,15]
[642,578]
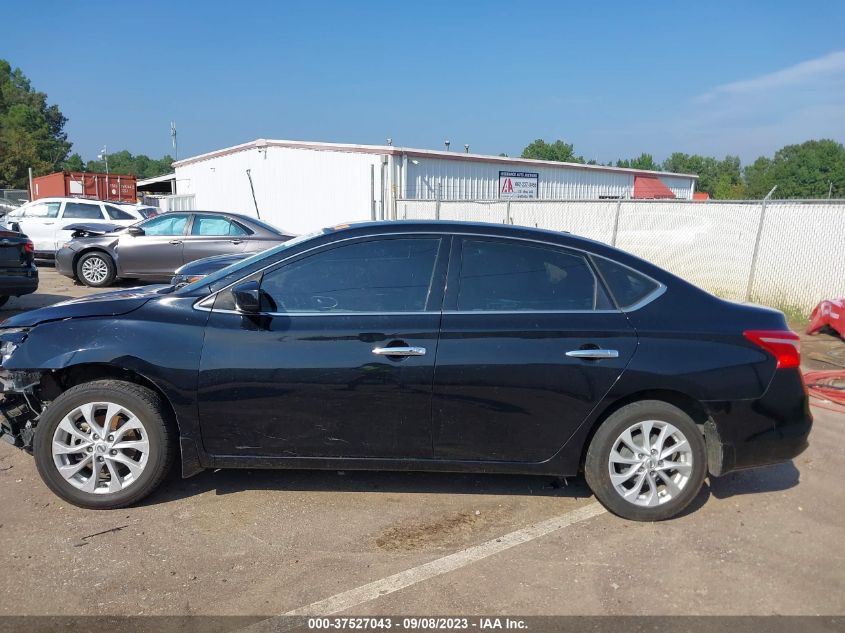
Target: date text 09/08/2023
[417,623]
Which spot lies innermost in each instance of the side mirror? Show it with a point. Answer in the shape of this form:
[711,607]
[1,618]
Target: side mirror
[135,230]
[248,297]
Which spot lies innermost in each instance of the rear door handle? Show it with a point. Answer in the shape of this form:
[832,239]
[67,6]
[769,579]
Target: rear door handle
[594,354]
[236,241]
[399,351]
[175,241]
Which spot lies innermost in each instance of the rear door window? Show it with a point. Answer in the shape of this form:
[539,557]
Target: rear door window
[215,225]
[506,276]
[82,211]
[117,214]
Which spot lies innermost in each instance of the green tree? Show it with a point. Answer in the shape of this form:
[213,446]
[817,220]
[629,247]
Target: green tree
[142,166]
[74,163]
[716,177]
[557,151]
[31,132]
[643,161]
[808,170]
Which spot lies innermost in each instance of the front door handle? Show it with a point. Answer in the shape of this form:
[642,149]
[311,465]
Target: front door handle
[399,351]
[236,241]
[594,354]
[175,241]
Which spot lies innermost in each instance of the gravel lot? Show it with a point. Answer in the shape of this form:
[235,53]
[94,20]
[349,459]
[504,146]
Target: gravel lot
[767,541]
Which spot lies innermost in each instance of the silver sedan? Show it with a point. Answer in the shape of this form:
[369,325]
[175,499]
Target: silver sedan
[154,248]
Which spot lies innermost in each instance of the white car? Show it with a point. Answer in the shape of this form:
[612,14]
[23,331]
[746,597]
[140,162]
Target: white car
[43,220]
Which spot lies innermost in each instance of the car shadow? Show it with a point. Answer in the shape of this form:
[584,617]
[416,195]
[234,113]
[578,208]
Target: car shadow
[224,482]
[773,478]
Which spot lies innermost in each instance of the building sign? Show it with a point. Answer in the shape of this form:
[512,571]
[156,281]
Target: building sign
[517,185]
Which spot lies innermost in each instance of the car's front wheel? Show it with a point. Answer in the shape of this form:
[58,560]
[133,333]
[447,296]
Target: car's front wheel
[96,269]
[104,444]
[647,461]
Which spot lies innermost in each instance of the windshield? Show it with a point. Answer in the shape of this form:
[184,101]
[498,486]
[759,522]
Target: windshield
[249,261]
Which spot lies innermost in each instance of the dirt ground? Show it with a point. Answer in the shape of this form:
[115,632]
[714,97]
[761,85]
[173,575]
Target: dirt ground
[766,541]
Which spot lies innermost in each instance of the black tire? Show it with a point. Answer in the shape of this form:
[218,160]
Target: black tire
[145,404]
[597,465]
[3,300]
[96,261]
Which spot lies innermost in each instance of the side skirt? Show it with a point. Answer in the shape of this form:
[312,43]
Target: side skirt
[551,467]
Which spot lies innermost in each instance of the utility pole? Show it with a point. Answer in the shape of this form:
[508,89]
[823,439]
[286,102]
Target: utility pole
[173,140]
[105,156]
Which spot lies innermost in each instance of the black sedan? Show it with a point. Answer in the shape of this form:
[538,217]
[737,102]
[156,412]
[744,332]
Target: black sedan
[18,273]
[409,346]
[154,248]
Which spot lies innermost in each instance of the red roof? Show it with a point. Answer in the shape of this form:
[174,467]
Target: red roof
[651,187]
[701,195]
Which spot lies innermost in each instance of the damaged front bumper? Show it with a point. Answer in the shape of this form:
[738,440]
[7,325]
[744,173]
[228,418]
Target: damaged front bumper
[18,415]
[19,407]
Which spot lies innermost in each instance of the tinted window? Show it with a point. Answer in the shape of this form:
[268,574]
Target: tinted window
[82,211]
[514,277]
[117,214]
[626,285]
[215,225]
[43,210]
[167,224]
[377,276]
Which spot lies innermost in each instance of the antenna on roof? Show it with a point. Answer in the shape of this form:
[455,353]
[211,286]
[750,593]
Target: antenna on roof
[389,140]
[466,148]
[447,143]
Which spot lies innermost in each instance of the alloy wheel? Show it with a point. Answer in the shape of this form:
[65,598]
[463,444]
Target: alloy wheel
[650,463]
[100,447]
[95,270]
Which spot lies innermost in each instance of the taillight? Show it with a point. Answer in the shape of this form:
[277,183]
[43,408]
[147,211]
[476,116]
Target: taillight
[28,247]
[784,345]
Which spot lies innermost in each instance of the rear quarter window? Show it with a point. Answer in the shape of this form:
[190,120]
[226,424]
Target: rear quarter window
[627,286]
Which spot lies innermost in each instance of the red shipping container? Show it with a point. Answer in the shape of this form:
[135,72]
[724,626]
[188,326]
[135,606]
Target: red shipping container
[63,184]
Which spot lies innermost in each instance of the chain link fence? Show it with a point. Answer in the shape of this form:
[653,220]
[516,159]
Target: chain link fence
[789,254]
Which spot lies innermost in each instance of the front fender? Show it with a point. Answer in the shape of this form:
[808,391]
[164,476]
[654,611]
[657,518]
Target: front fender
[166,356]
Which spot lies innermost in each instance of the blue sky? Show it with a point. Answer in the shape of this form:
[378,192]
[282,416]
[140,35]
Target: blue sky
[614,78]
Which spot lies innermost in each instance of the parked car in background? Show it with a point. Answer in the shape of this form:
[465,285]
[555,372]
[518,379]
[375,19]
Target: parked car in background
[409,346]
[153,249]
[146,211]
[196,270]
[18,273]
[44,220]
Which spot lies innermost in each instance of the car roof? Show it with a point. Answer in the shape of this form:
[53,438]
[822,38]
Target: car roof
[71,199]
[488,229]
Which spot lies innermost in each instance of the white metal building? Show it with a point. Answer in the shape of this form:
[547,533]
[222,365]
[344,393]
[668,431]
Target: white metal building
[301,186]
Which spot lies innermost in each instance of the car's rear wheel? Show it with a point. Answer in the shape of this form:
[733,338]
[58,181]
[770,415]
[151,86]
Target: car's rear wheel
[647,461]
[96,269]
[104,444]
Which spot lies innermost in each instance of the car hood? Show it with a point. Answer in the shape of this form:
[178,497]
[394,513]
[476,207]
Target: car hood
[211,264]
[103,304]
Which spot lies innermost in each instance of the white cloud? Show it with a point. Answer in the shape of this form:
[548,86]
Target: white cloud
[812,72]
[762,114]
